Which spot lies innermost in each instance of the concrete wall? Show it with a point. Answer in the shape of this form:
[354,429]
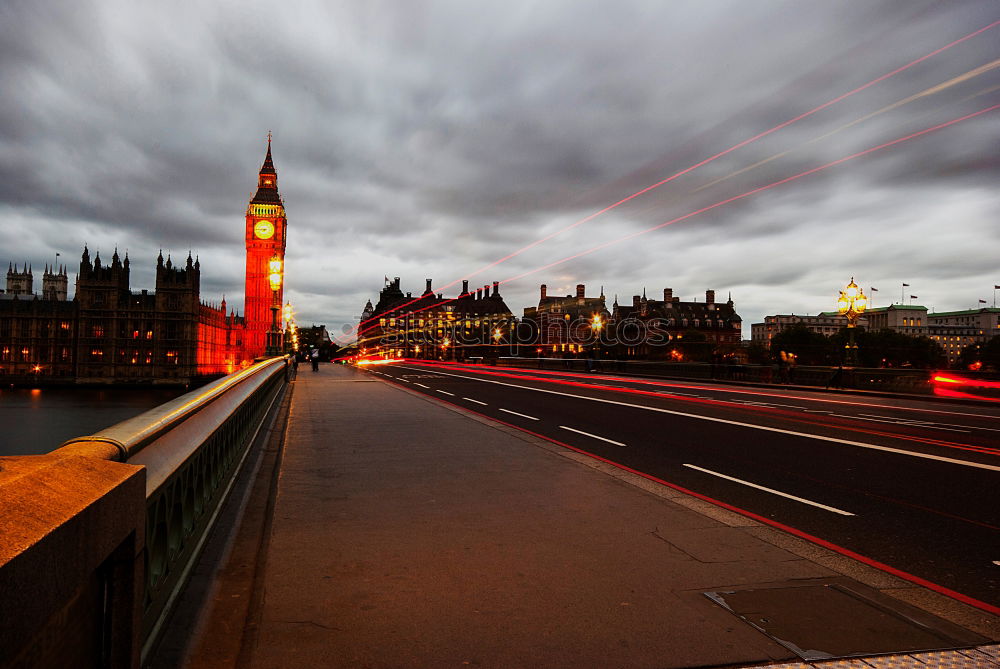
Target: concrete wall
[71,575]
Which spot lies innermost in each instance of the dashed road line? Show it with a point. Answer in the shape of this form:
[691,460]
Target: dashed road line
[519,414]
[752,426]
[469,399]
[421,385]
[593,436]
[771,490]
[445,392]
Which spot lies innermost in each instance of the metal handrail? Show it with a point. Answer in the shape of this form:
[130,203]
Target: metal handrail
[192,448]
[132,435]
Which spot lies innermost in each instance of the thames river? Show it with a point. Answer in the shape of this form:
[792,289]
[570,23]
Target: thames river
[38,420]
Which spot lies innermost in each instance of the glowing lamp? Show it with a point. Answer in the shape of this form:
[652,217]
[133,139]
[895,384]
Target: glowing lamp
[274,267]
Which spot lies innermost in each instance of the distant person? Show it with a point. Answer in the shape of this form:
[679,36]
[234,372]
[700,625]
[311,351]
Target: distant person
[836,380]
[314,356]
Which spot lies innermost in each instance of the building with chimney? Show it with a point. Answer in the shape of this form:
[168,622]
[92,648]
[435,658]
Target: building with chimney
[565,324]
[474,325]
[653,329]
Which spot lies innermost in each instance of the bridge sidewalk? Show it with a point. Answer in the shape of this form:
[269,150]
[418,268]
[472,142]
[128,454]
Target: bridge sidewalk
[409,534]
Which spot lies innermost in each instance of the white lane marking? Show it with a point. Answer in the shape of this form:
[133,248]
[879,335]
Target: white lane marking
[771,490]
[400,378]
[894,421]
[930,423]
[664,384]
[420,384]
[469,399]
[592,436]
[765,428]
[519,414]
[445,392]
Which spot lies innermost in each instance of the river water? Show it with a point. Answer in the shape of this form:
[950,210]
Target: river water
[38,420]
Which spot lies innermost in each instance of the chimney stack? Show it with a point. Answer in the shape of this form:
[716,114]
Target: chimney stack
[709,297]
[544,290]
[496,289]
[479,293]
[465,287]
[668,294]
[635,301]
[428,290]
[579,290]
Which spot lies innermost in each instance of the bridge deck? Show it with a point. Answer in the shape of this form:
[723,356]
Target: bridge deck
[409,534]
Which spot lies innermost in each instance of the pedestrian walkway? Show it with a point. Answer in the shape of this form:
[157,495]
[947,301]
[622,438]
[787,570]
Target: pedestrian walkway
[410,534]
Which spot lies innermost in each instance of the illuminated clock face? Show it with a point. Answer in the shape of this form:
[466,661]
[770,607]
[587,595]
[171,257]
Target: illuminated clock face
[264,229]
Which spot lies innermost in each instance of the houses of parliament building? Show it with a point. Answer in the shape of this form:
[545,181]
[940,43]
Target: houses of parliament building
[108,333]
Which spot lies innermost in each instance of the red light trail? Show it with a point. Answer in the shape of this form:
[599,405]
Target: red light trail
[706,161]
[720,203]
[754,191]
[948,592]
[833,422]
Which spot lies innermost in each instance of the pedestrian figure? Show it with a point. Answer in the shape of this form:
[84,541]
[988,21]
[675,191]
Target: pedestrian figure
[315,360]
[837,379]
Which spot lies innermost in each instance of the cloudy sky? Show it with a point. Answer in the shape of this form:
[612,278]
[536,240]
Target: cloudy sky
[429,139]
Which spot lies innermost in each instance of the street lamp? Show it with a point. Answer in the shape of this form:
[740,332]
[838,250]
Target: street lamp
[596,325]
[274,278]
[852,303]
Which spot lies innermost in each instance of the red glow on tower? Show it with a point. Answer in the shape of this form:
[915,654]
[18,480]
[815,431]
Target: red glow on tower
[265,239]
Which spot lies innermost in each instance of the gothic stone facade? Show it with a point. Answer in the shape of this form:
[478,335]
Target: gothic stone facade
[108,333]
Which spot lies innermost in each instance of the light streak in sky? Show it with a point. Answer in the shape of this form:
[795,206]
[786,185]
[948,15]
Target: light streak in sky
[710,207]
[662,182]
[748,193]
[895,105]
[720,203]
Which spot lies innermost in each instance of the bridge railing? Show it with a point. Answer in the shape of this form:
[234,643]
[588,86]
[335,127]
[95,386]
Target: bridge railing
[191,449]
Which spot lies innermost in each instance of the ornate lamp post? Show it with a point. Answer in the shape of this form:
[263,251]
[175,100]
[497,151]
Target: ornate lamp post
[852,304]
[274,334]
[290,338]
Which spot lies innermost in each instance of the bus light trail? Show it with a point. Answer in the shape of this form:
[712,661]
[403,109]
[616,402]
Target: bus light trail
[748,193]
[720,203]
[895,105]
[706,161]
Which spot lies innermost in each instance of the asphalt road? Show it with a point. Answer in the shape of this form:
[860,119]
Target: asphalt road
[911,484]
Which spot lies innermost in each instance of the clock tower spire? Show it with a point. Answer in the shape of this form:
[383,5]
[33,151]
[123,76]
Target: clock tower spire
[265,239]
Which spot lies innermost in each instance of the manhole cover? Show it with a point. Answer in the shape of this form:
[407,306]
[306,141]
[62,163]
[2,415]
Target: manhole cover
[820,622]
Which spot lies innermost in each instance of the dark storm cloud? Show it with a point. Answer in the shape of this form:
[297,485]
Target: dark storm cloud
[427,139]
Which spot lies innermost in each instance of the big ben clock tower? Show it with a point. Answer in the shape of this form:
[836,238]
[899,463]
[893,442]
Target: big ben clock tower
[265,240]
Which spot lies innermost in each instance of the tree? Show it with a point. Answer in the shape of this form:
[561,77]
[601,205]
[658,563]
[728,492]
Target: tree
[758,354]
[810,348]
[889,348]
[988,354]
[694,346]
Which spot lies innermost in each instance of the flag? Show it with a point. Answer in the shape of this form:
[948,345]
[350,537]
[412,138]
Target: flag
[982,301]
[874,290]
[913,297]
[996,287]
[906,285]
